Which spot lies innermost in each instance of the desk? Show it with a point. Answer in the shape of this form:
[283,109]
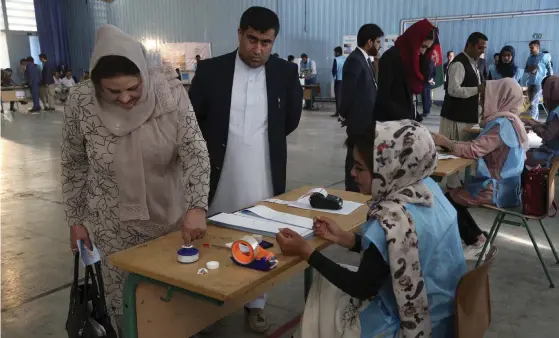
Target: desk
[163,297]
[453,166]
[310,91]
[17,93]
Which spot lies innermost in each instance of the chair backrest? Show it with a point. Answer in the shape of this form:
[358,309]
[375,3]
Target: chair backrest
[551,182]
[472,304]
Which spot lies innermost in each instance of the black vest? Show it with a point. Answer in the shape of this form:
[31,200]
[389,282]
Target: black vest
[462,110]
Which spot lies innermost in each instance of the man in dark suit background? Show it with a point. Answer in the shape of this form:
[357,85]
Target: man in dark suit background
[359,91]
[246,103]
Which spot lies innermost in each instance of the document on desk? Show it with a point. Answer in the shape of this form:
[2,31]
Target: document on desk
[441,156]
[304,203]
[256,224]
[277,216]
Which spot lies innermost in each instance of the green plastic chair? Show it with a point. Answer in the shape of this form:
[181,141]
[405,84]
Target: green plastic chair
[502,213]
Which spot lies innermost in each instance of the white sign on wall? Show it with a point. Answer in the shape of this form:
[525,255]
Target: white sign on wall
[349,44]
[387,42]
[182,55]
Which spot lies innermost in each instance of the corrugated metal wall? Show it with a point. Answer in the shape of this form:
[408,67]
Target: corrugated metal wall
[314,27]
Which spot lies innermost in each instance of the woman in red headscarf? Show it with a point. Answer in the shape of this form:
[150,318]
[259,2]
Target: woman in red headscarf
[402,71]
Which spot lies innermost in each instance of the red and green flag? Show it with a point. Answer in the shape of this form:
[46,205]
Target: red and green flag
[437,57]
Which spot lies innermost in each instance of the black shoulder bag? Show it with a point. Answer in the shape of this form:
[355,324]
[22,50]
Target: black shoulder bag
[87,315]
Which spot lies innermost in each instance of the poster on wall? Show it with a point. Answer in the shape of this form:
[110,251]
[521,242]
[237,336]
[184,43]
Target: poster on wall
[182,55]
[349,44]
[387,42]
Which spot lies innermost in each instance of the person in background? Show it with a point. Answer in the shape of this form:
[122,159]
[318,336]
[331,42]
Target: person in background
[460,108]
[307,68]
[291,58]
[483,68]
[548,131]
[178,71]
[538,66]
[33,79]
[148,176]
[548,56]
[506,67]
[21,69]
[402,72]
[276,55]
[85,76]
[449,57]
[493,67]
[429,82]
[68,81]
[500,150]
[337,73]
[198,59]
[246,103]
[411,256]
[47,82]
[359,92]
[7,81]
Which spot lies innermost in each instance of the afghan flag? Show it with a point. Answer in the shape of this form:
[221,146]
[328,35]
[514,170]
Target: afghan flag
[437,57]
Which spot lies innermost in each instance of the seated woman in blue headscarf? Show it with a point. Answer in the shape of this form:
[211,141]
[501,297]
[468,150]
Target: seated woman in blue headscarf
[506,67]
[548,131]
[411,255]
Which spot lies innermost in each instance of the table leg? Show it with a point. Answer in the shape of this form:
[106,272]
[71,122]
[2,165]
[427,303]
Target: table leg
[308,280]
[129,322]
[467,174]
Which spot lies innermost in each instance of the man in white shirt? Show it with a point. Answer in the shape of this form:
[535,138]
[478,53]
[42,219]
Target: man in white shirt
[246,103]
[68,80]
[307,69]
[461,102]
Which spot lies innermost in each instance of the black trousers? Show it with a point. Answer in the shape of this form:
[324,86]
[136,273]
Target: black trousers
[350,184]
[469,230]
[338,94]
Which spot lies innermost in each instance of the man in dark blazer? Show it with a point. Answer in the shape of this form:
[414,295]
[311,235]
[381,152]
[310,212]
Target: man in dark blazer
[359,91]
[246,103]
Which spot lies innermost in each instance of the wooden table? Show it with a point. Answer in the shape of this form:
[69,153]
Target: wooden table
[453,166]
[163,298]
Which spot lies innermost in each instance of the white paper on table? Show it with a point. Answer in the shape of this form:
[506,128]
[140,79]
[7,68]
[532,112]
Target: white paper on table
[445,156]
[278,201]
[277,216]
[304,203]
[476,127]
[252,224]
[534,141]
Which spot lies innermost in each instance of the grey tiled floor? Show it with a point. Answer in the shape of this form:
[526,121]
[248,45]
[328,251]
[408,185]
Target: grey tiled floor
[36,266]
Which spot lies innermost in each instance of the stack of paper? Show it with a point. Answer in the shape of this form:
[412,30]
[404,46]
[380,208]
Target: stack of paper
[265,221]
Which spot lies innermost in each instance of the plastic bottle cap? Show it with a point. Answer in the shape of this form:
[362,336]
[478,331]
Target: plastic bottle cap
[212,265]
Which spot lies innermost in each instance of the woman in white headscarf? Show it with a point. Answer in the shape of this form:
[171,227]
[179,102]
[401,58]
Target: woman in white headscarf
[134,162]
[411,255]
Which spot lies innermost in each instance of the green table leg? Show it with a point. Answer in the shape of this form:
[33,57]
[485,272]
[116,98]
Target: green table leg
[308,280]
[467,174]
[130,322]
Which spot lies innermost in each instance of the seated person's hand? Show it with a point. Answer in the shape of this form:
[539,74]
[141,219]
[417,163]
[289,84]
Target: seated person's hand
[441,141]
[530,122]
[328,229]
[292,244]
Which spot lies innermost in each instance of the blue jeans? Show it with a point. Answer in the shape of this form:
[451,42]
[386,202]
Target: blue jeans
[534,94]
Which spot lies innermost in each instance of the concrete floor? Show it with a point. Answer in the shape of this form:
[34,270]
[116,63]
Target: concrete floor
[37,264]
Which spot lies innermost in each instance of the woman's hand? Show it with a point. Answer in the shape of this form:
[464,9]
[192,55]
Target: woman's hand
[442,141]
[194,225]
[328,229]
[79,232]
[292,244]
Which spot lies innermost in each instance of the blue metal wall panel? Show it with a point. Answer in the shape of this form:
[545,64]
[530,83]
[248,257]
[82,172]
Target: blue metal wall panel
[314,27]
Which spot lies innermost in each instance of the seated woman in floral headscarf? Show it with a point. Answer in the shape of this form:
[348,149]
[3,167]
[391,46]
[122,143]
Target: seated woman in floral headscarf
[500,150]
[411,256]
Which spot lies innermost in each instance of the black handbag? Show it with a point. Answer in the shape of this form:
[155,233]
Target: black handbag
[87,315]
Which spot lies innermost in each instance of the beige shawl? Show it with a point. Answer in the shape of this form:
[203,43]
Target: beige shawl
[146,166]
